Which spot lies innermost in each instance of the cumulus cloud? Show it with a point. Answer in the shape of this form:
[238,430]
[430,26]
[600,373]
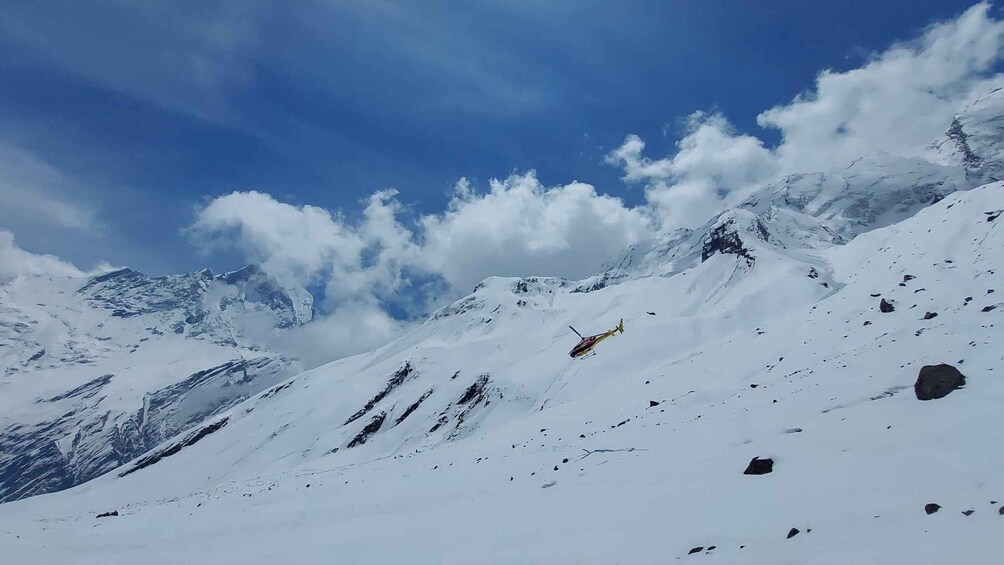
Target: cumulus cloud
[16,262]
[900,101]
[298,242]
[713,166]
[519,226]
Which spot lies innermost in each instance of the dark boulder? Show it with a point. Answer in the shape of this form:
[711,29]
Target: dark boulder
[936,381]
[759,466]
[108,514]
[697,549]
[930,315]
[792,533]
[885,306]
[652,403]
[931,508]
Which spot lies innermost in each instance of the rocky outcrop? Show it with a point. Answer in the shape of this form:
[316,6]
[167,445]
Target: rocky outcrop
[188,440]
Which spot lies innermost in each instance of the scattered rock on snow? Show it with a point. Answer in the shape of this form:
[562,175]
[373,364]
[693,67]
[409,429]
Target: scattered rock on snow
[988,308]
[792,533]
[937,381]
[931,508]
[652,403]
[759,466]
[108,514]
[697,549]
[885,306]
[968,512]
[930,315]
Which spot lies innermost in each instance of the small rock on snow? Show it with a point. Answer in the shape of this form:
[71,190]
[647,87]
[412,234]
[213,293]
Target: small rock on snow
[759,466]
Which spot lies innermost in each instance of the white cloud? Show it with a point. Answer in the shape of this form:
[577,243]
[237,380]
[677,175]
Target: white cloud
[899,102]
[713,167]
[352,328]
[521,227]
[15,262]
[518,227]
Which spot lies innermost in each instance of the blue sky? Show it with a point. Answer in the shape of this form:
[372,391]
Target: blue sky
[127,118]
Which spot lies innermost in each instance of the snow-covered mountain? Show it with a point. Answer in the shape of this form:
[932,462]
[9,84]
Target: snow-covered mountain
[975,139]
[476,437]
[96,371]
[764,405]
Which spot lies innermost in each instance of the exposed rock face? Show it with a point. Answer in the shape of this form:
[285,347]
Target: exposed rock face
[179,302]
[974,139]
[144,358]
[937,381]
[87,440]
[190,439]
[371,428]
[395,381]
[727,236]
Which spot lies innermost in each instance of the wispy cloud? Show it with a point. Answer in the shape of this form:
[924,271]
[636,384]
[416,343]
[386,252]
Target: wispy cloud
[31,188]
[187,57]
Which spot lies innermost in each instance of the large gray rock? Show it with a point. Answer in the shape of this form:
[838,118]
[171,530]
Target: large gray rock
[936,381]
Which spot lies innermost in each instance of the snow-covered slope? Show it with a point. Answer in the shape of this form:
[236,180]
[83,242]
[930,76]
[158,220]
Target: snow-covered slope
[807,211]
[475,438]
[96,371]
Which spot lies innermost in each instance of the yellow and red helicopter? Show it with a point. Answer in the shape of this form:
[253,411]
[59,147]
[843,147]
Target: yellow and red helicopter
[585,346]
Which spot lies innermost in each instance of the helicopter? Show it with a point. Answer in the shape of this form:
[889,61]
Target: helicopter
[584,349]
